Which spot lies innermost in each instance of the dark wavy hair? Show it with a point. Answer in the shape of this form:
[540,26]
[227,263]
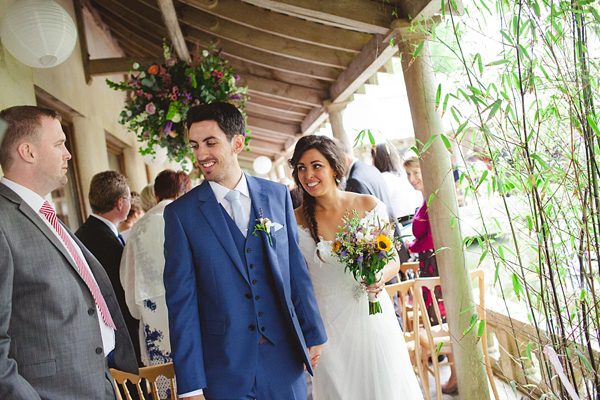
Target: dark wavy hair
[170,184]
[228,117]
[333,152]
[386,158]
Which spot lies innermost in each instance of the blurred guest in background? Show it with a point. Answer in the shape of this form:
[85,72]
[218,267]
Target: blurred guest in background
[403,197]
[147,197]
[142,269]
[135,213]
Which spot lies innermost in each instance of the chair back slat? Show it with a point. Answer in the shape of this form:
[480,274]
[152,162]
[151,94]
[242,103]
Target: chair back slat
[150,374]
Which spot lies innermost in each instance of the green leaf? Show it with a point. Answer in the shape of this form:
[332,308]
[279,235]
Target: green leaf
[498,62]
[472,324]
[438,96]
[540,161]
[584,360]
[480,329]
[528,351]
[517,287]
[496,273]
[429,142]
[593,124]
[418,50]
[513,384]
[462,126]
[431,196]
[479,64]
[371,138]
[438,348]
[494,109]
[446,142]
[445,104]
[482,257]
[507,37]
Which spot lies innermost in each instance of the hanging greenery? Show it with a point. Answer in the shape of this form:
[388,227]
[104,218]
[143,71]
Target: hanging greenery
[161,95]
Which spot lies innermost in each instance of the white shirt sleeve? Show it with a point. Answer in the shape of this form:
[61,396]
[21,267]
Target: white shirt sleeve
[190,394]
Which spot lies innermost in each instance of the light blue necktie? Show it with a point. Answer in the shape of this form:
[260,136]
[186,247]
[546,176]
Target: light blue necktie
[238,213]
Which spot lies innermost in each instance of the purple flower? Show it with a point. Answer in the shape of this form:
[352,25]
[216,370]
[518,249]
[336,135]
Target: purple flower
[170,62]
[359,259]
[150,108]
[168,127]
[381,254]
[237,77]
[343,253]
[188,96]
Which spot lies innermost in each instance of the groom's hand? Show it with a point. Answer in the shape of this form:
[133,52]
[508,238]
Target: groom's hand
[315,354]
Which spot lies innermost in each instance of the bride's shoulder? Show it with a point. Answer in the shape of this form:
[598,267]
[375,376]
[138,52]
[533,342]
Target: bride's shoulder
[362,203]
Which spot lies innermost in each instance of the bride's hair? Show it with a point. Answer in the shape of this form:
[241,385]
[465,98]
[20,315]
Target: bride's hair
[333,152]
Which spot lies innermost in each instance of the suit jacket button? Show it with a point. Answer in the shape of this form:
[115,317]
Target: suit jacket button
[99,350]
[251,327]
[254,282]
[257,297]
[248,296]
[91,311]
[249,250]
[260,314]
[263,329]
[251,266]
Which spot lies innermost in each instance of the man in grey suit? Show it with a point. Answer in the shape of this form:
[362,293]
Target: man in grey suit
[60,324]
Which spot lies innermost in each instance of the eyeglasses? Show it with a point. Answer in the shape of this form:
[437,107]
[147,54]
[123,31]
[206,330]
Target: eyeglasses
[127,198]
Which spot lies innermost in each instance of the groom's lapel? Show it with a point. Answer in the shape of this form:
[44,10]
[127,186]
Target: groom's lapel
[211,209]
[262,199]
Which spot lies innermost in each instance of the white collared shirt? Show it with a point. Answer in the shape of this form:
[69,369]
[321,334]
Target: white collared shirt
[35,201]
[221,191]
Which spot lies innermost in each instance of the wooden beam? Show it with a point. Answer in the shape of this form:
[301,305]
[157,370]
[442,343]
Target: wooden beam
[243,67]
[280,90]
[280,104]
[264,41]
[283,25]
[272,127]
[364,16]
[129,39]
[170,19]
[425,9]
[139,35]
[313,120]
[267,112]
[375,54]
[262,104]
[143,18]
[85,55]
[260,146]
[268,60]
[123,65]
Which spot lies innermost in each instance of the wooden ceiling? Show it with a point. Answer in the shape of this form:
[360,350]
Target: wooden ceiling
[295,56]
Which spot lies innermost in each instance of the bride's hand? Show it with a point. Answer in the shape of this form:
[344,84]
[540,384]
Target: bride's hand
[378,286]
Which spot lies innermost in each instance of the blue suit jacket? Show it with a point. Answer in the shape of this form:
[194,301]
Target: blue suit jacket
[206,285]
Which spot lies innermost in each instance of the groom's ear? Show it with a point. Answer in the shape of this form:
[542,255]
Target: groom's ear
[237,143]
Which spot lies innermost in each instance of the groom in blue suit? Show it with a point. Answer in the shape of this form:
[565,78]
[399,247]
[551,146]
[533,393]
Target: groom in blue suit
[243,319]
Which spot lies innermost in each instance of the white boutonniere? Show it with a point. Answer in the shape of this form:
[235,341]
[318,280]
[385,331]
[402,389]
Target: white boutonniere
[263,225]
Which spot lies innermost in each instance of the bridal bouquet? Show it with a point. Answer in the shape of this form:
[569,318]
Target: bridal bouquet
[365,248]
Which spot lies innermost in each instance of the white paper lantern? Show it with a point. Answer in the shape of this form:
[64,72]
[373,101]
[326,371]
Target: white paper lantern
[262,165]
[38,33]
[159,156]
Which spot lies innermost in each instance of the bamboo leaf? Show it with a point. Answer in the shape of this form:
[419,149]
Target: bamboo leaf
[528,351]
[438,348]
[438,97]
[513,385]
[540,161]
[517,287]
[461,127]
[446,142]
[472,324]
[482,257]
[429,142]
[593,124]
[480,329]
[496,273]
[371,138]
[445,104]
[494,110]
[498,62]
[480,64]
[584,360]
[431,196]
[418,50]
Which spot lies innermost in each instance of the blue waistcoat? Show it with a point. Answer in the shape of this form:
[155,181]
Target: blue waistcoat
[270,319]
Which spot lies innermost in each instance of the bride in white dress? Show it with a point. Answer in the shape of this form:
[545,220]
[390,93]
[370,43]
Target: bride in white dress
[365,356]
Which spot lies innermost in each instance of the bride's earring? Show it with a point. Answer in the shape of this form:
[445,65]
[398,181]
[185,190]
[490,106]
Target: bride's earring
[337,180]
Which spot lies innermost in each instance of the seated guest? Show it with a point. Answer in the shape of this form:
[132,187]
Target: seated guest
[60,325]
[142,268]
[147,197]
[135,213]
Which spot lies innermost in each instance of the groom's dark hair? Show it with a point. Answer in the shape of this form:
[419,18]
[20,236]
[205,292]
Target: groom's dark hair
[227,116]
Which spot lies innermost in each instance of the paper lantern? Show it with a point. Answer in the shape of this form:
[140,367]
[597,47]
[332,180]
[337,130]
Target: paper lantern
[38,33]
[159,156]
[262,165]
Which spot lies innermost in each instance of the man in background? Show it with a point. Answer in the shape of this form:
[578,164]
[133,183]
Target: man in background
[59,317]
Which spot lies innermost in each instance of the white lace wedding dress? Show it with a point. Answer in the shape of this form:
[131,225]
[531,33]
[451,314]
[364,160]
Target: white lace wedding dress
[365,356]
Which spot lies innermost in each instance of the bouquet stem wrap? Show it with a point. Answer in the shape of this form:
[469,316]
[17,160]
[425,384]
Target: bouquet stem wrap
[374,305]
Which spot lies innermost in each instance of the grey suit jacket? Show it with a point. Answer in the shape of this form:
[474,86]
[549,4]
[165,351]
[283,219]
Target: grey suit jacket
[50,342]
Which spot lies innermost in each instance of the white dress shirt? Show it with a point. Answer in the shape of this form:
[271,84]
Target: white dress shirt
[35,201]
[112,226]
[220,192]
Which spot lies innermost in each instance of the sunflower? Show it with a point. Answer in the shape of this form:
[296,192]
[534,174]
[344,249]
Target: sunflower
[336,246]
[384,243]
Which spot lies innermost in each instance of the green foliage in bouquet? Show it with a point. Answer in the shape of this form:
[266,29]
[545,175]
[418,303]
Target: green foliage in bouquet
[161,95]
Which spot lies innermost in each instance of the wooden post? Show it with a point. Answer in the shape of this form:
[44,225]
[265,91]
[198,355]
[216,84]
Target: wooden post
[337,126]
[438,178]
[172,24]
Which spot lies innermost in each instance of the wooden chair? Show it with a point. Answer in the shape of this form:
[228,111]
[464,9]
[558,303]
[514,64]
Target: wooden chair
[150,374]
[431,338]
[409,266]
[405,293]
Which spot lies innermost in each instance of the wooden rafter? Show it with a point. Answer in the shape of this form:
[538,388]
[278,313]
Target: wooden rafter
[364,16]
[169,16]
[266,42]
[283,25]
[282,90]
[243,67]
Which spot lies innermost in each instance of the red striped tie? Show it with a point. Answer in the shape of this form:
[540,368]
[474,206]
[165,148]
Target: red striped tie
[50,215]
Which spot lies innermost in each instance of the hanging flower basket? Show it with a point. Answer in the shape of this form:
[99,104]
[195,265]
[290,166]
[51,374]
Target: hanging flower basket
[161,95]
